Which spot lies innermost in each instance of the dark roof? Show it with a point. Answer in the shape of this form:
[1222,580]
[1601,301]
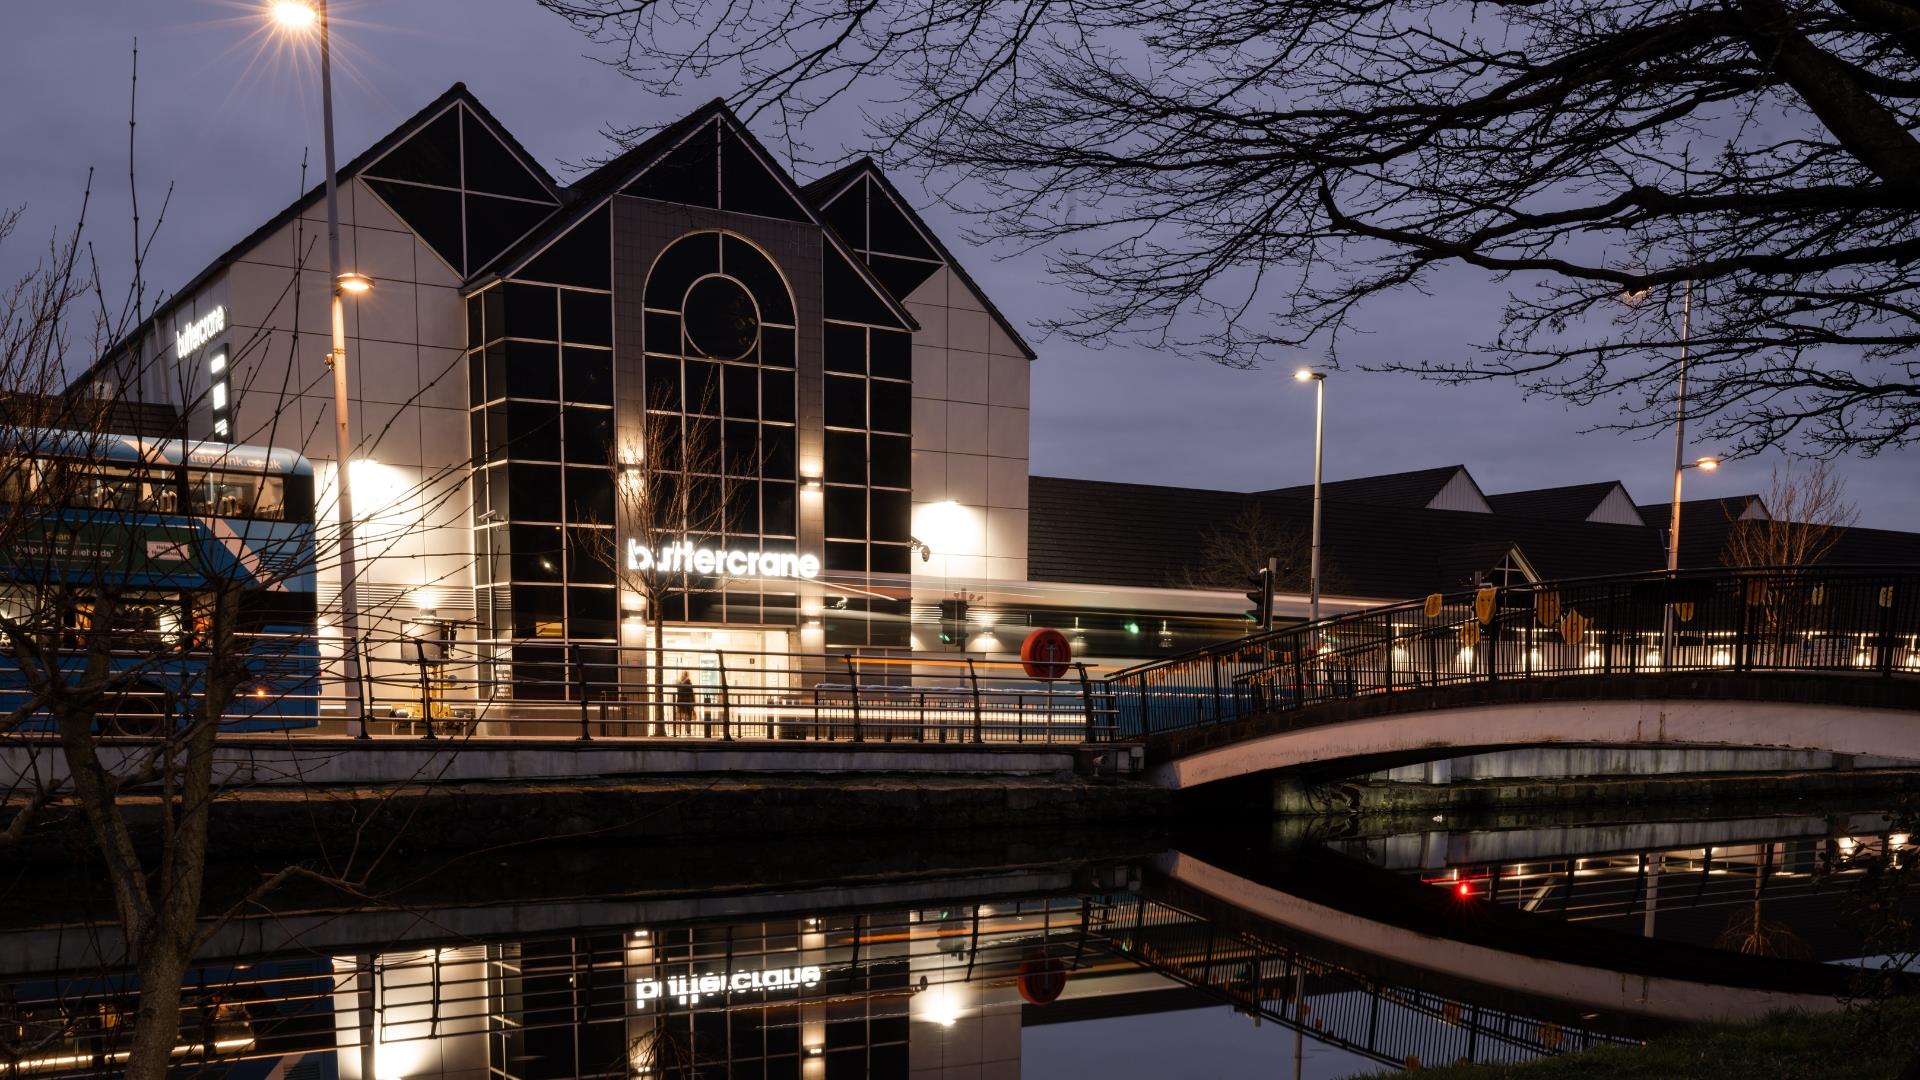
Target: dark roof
[585,195]
[457,92]
[1692,510]
[1408,489]
[1571,503]
[821,191]
[1139,535]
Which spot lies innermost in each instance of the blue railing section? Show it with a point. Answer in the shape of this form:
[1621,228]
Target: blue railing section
[1855,621]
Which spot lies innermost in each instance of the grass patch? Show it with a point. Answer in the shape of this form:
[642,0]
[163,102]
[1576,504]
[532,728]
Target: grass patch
[1872,1044]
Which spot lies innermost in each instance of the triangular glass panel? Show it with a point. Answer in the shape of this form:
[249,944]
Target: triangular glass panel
[848,214]
[581,257]
[901,276]
[746,187]
[688,174]
[493,224]
[849,298]
[433,214]
[892,232]
[430,156]
[492,168]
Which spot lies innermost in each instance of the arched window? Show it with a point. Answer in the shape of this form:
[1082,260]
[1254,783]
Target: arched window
[719,339]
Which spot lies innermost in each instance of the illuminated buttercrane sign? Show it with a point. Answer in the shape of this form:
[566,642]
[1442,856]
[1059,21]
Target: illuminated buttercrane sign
[688,989]
[683,556]
[200,331]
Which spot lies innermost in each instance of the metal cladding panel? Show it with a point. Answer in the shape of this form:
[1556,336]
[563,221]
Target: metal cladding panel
[1460,493]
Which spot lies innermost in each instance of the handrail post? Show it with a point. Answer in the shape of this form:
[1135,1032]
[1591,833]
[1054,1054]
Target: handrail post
[1219,707]
[726,697]
[580,685]
[973,676]
[426,692]
[853,691]
[1892,592]
[1086,698]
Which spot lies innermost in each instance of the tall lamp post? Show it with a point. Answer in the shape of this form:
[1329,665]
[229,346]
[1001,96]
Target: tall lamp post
[300,16]
[1319,381]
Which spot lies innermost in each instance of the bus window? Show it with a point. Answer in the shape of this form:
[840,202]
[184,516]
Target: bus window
[222,494]
[273,499]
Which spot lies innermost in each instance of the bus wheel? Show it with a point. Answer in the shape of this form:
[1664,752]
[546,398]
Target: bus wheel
[137,714]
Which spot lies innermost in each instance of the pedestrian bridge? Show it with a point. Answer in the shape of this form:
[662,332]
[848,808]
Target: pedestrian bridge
[1794,658]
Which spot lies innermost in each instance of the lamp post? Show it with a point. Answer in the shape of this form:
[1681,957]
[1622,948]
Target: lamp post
[300,15]
[1319,381]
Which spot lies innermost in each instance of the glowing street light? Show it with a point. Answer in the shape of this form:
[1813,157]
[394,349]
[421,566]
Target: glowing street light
[1319,381]
[300,16]
[294,14]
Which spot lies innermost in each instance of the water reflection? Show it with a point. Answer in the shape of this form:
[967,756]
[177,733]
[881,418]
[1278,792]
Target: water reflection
[1415,946]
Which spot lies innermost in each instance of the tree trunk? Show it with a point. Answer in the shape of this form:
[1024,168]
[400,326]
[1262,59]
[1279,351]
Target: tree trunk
[659,691]
[156,1024]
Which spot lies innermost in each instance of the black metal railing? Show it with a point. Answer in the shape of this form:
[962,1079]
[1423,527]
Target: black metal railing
[1858,621]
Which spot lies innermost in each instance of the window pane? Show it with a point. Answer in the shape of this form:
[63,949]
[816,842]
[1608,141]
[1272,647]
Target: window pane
[587,376]
[591,555]
[891,559]
[892,461]
[663,384]
[776,503]
[703,387]
[536,553]
[892,406]
[892,355]
[533,431]
[847,513]
[740,387]
[476,378]
[743,508]
[846,556]
[591,612]
[846,402]
[776,452]
[776,395]
[846,457]
[590,496]
[846,349]
[742,453]
[662,333]
[776,347]
[533,370]
[535,493]
[892,515]
[589,436]
[532,311]
[586,318]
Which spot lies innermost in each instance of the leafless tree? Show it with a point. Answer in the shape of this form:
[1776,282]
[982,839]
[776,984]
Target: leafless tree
[666,490]
[1807,513]
[1238,177]
[1233,550]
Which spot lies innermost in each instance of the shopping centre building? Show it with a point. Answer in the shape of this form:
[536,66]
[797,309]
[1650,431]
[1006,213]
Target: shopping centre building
[780,413]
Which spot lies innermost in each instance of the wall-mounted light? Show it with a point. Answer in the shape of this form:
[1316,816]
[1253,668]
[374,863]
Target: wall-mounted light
[356,283]
[811,483]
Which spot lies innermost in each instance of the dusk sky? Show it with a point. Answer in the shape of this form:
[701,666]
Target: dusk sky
[226,111]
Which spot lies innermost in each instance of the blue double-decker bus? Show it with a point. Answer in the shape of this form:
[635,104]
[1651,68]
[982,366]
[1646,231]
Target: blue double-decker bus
[133,538]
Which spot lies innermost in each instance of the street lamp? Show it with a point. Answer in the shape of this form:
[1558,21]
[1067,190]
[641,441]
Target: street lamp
[1319,381]
[298,16]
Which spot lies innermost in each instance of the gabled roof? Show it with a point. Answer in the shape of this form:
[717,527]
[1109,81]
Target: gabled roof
[1138,535]
[587,194]
[1412,490]
[824,190]
[1574,502]
[458,92]
[1731,508]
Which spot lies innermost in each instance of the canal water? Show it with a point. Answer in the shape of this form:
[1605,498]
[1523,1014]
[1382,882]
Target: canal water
[1317,948]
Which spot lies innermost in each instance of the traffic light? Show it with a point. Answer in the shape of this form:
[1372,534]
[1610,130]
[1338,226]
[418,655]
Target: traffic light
[953,622]
[1260,595]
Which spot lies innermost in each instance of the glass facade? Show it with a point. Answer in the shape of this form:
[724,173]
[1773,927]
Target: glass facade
[542,431]
[695,426]
[722,403]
